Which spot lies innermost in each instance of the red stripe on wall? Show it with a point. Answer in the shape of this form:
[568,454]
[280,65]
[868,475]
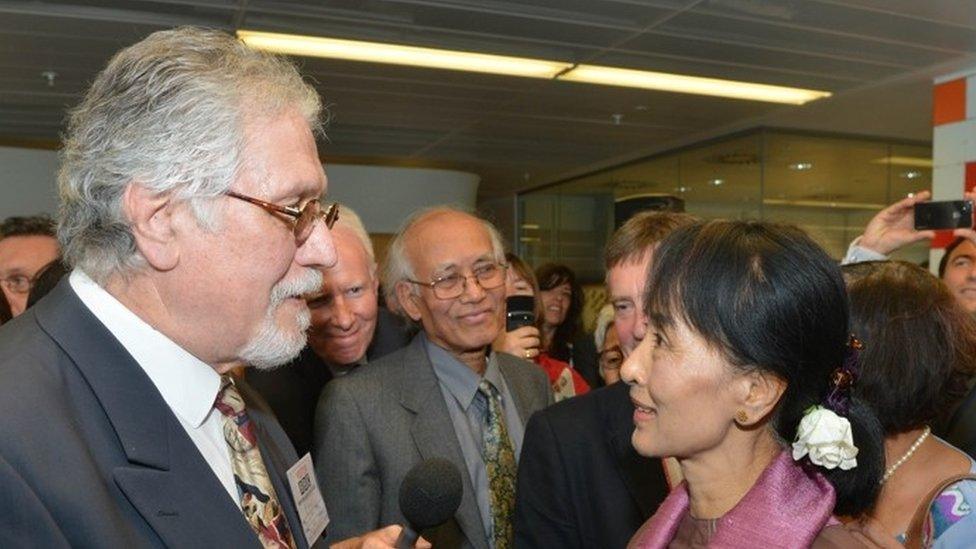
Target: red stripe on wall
[970,176]
[942,239]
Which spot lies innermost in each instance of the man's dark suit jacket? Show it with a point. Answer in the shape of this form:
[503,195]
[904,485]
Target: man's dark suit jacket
[293,390]
[580,482]
[91,455]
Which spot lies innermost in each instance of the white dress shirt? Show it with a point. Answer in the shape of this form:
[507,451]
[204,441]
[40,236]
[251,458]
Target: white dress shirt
[188,385]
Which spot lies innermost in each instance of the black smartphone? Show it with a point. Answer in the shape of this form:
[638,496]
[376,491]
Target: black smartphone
[520,312]
[950,214]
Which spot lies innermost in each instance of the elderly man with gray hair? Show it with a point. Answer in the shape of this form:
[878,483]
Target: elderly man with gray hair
[442,396]
[189,211]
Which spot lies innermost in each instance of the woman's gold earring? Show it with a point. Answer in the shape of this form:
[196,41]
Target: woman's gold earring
[741,417]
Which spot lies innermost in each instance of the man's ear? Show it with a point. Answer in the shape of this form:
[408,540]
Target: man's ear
[405,297]
[761,393]
[150,220]
[376,279]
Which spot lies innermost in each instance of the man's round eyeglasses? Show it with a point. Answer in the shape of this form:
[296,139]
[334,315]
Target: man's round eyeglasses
[489,276]
[305,217]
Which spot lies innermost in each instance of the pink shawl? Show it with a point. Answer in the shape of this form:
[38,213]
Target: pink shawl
[787,507]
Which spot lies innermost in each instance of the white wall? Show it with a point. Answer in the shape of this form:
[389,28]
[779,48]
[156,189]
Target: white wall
[382,196]
[27,181]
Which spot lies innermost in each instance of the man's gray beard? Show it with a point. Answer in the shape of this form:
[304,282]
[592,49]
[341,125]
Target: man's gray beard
[272,345]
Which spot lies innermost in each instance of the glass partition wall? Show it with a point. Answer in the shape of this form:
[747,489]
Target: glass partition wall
[830,186]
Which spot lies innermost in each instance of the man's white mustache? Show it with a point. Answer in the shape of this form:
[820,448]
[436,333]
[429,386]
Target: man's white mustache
[309,281]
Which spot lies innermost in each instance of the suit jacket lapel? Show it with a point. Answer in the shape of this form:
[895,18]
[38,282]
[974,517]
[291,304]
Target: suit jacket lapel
[516,387]
[433,432]
[166,479]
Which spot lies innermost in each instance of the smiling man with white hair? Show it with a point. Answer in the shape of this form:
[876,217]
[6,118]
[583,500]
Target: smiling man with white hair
[348,329]
[189,211]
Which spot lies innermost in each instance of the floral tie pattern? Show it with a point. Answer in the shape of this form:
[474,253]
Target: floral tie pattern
[258,500]
[500,464]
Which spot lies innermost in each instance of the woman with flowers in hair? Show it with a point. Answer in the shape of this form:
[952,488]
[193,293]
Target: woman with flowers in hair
[745,378]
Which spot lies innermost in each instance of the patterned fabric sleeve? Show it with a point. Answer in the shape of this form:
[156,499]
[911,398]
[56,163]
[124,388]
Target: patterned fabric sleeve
[952,522]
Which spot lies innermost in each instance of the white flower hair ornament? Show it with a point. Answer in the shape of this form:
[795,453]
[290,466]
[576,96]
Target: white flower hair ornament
[826,438]
[823,434]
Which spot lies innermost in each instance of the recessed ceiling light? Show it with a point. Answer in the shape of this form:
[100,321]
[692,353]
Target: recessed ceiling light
[717,182]
[376,52]
[911,174]
[801,166]
[682,189]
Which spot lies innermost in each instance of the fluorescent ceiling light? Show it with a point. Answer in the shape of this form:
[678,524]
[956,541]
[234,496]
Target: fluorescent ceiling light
[910,161]
[691,84]
[376,52]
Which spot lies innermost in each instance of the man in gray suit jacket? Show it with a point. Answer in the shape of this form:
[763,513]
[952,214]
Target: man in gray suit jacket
[189,211]
[442,396]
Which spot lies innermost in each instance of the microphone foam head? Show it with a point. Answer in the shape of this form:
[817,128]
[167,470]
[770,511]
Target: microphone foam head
[430,493]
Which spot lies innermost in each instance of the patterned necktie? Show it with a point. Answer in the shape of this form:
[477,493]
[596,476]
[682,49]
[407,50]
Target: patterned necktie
[500,463]
[258,499]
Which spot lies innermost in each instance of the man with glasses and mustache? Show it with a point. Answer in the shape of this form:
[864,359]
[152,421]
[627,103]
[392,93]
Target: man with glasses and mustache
[189,212]
[444,395]
[580,482]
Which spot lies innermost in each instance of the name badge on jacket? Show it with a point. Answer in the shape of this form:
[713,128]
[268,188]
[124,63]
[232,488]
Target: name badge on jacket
[305,492]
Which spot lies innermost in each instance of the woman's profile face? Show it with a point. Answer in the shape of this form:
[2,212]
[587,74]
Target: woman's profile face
[516,285]
[555,304]
[682,392]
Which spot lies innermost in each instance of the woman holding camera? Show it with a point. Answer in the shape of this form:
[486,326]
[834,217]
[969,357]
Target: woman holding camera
[524,341]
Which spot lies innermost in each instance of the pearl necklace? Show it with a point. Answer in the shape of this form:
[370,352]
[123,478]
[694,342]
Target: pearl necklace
[901,461]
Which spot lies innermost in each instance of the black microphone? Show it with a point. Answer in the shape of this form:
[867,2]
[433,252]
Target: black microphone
[430,494]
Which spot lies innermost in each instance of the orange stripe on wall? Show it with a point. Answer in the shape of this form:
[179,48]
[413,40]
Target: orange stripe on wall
[949,102]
